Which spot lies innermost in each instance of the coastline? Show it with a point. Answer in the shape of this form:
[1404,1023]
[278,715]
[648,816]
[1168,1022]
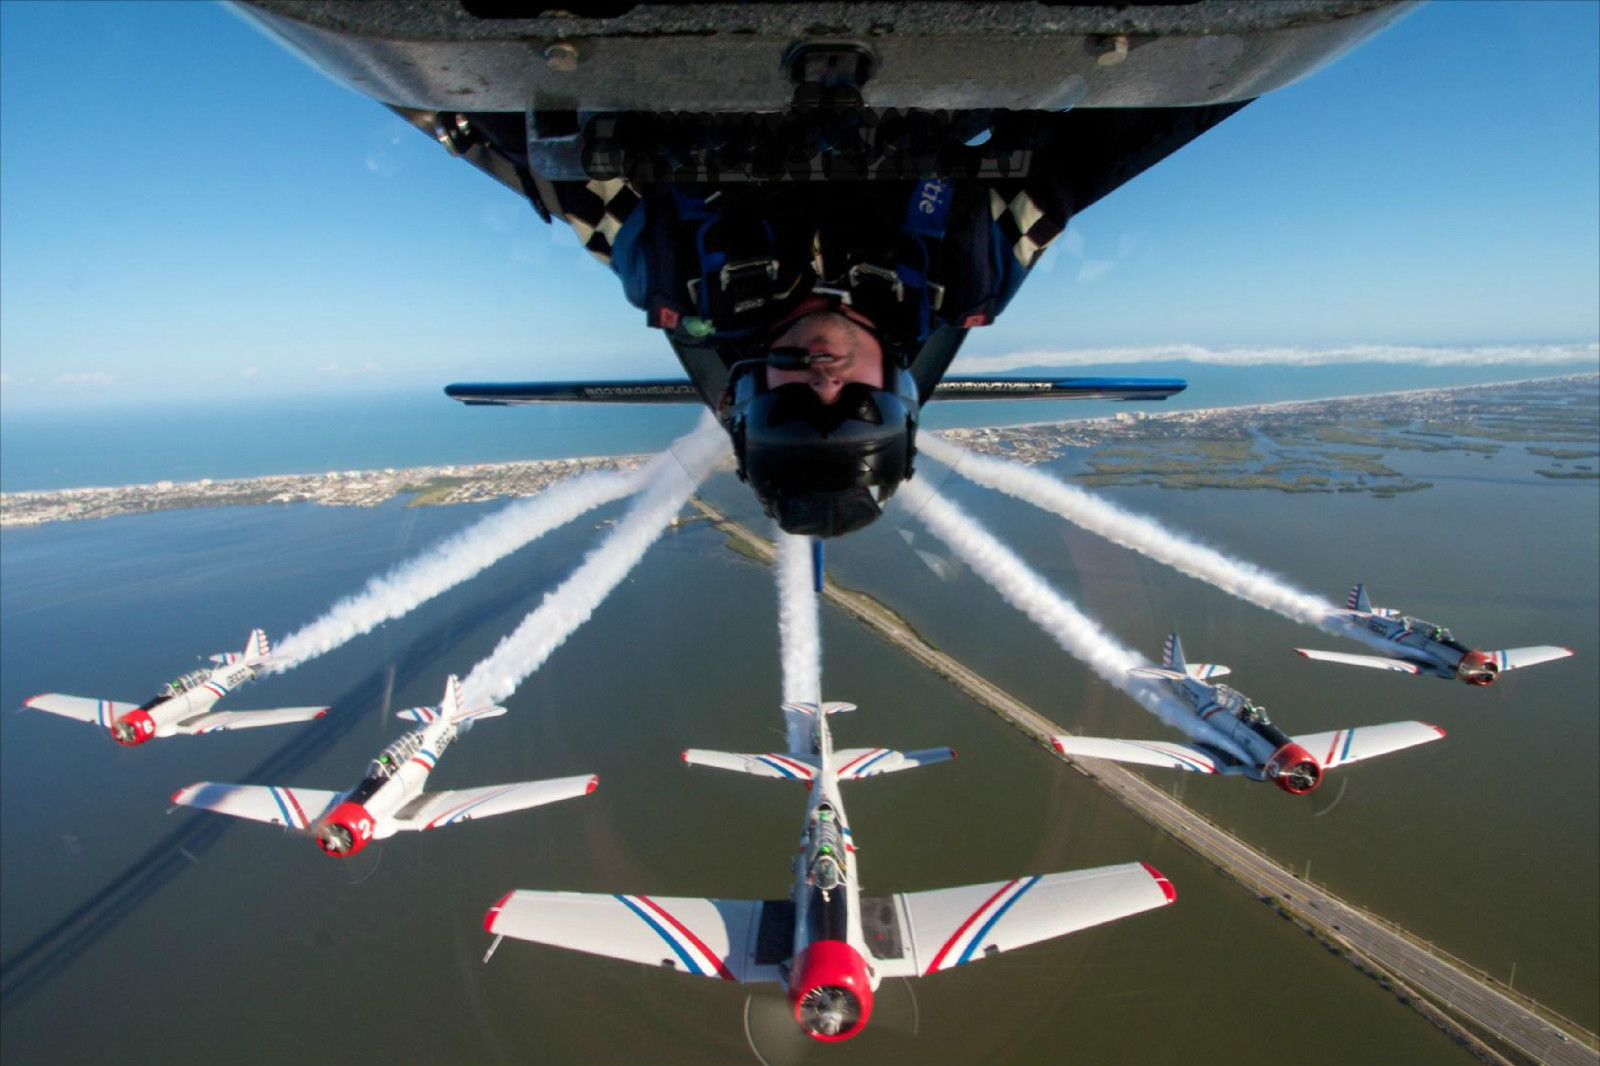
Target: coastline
[1185,449]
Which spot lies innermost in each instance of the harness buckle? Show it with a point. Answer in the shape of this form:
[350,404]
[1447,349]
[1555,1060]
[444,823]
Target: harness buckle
[872,270]
[746,269]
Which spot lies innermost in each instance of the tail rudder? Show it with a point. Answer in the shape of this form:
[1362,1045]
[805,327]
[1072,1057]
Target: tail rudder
[1172,654]
[1357,600]
[450,706]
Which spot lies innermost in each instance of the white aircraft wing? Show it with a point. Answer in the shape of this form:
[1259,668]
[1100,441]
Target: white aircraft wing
[1517,658]
[1376,662]
[220,721]
[856,763]
[708,937]
[950,926]
[787,766]
[295,808]
[434,809]
[1364,742]
[95,712]
[1162,753]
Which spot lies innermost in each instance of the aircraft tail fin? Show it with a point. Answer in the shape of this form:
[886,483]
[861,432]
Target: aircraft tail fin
[257,651]
[450,706]
[1357,600]
[1172,654]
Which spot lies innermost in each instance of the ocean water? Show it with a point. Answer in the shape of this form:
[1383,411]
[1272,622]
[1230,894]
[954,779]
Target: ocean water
[197,938]
[186,442]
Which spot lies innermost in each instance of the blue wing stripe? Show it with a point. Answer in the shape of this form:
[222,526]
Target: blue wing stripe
[977,939]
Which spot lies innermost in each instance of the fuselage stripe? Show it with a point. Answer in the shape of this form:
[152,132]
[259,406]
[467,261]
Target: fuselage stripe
[995,917]
[938,959]
[216,688]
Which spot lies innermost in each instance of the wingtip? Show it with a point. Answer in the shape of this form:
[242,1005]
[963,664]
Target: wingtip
[1303,653]
[1055,742]
[321,714]
[1436,729]
[494,912]
[1161,879]
[594,783]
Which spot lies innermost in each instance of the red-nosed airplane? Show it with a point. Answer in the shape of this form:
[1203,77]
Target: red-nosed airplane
[1423,647]
[1294,764]
[183,706]
[389,798]
[829,946]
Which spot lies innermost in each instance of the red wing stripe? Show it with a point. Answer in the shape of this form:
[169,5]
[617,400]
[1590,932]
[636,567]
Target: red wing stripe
[299,813]
[846,768]
[948,944]
[1327,760]
[699,945]
[799,768]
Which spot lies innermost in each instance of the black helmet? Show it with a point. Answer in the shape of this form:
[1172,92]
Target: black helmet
[823,469]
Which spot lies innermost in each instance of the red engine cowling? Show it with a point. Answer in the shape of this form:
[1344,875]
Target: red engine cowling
[133,729]
[346,831]
[831,992]
[1478,668]
[1294,769]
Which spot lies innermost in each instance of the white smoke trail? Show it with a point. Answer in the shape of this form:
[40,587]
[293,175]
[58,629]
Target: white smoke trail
[458,558]
[1078,634]
[570,604]
[1138,533]
[798,632]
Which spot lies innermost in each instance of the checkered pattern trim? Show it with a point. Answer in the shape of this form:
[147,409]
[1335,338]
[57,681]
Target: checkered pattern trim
[1025,225]
[596,210]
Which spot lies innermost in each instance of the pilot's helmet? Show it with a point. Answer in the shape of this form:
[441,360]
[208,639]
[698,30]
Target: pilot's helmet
[823,469]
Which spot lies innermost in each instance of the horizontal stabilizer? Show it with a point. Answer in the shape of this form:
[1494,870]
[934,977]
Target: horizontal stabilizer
[660,390]
[293,808]
[974,388]
[1517,658]
[856,763]
[429,714]
[951,926]
[831,707]
[221,721]
[1375,662]
[1364,742]
[79,708]
[786,766]
[1206,671]
[1163,753]
[707,937]
[434,809]
[1157,672]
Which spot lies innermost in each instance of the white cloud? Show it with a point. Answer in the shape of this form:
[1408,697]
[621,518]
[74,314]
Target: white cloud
[5,379]
[251,372]
[93,379]
[1508,355]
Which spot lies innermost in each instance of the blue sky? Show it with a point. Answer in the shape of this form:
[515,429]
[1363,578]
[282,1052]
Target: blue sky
[186,208]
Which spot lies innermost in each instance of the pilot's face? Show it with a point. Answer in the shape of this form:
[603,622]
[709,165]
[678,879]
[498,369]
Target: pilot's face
[853,354]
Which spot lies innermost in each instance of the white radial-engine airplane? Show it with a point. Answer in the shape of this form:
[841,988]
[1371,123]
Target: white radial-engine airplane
[389,798]
[1425,648]
[827,944]
[1294,764]
[183,706]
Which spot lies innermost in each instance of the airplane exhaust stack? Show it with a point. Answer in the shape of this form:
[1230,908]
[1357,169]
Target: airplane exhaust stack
[832,994]
[133,729]
[1478,668]
[346,831]
[1294,769]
